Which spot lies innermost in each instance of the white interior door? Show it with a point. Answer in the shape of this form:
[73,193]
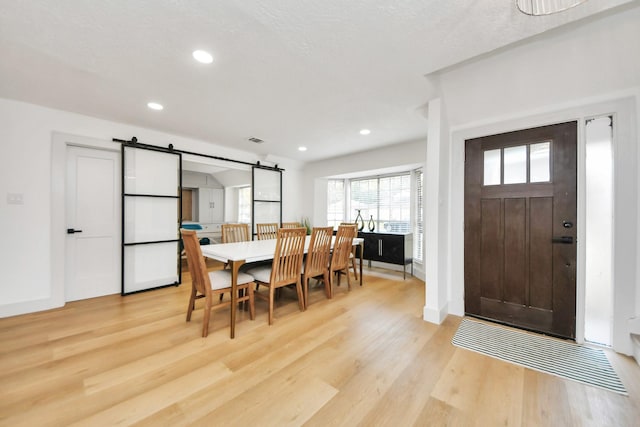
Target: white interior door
[93,223]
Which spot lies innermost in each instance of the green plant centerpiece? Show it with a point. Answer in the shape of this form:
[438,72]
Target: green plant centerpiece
[306,224]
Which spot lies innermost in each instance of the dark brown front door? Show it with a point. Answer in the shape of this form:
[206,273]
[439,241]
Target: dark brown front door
[520,228]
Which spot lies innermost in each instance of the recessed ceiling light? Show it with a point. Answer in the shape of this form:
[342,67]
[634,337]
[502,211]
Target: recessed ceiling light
[302,148]
[202,56]
[365,131]
[155,106]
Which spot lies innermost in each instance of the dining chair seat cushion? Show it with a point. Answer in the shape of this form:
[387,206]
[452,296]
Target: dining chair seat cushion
[261,274]
[191,226]
[222,279]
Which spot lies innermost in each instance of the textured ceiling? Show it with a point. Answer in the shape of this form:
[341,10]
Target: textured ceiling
[291,72]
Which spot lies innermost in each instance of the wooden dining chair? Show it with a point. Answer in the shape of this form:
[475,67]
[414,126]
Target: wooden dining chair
[352,257]
[232,233]
[291,225]
[316,263]
[286,267]
[267,231]
[342,248]
[206,284]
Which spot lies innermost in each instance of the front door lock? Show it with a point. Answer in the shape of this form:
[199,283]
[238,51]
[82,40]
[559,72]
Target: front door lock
[567,240]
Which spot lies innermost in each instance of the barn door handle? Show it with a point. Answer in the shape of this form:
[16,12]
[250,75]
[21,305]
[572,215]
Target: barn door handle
[72,231]
[567,240]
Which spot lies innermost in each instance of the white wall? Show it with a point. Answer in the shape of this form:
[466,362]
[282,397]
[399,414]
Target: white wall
[26,133]
[234,177]
[588,68]
[191,179]
[583,59]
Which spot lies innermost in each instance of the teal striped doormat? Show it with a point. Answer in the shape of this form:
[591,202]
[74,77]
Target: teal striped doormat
[564,359]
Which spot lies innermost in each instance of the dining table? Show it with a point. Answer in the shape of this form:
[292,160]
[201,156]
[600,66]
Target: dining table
[239,253]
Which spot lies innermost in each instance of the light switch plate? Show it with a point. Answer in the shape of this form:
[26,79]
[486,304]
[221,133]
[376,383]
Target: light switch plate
[15,198]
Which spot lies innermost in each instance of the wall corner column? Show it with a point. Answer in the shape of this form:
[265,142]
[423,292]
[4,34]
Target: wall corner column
[436,222]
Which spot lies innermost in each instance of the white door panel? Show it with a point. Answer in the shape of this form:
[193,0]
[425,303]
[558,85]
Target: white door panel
[151,219]
[92,206]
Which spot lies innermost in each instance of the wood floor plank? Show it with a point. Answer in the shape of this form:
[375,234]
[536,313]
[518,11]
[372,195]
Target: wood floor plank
[379,365]
[245,378]
[299,399]
[543,392]
[143,405]
[418,378]
[437,413]
[365,357]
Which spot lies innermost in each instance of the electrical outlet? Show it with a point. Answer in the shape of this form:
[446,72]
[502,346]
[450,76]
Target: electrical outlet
[15,199]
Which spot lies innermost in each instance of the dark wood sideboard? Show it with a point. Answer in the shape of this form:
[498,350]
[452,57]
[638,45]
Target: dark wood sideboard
[392,248]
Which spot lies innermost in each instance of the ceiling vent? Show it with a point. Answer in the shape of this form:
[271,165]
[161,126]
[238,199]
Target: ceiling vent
[256,140]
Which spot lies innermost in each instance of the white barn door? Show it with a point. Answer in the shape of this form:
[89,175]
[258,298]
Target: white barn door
[267,196]
[151,218]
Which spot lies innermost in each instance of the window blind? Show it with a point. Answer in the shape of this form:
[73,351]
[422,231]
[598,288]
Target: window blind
[418,228]
[386,200]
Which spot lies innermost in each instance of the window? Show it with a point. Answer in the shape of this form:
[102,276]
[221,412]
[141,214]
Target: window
[335,202]
[599,170]
[515,165]
[518,165]
[539,162]
[244,205]
[386,200]
[492,161]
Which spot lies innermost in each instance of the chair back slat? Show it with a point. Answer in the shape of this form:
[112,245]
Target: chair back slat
[287,259]
[195,260]
[353,224]
[342,247]
[291,225]
[232,233]
[319,252]
[267,231]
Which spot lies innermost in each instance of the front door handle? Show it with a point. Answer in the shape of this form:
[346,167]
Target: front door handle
[567,240]
[72,231]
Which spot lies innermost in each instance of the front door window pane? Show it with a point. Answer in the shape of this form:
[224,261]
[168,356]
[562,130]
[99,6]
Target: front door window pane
[492,167]
[515,165]
[539,162]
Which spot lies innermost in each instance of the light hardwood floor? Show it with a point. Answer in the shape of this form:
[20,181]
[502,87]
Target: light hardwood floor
[364,358]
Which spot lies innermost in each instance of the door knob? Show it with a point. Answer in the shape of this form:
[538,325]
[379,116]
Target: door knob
[72,231]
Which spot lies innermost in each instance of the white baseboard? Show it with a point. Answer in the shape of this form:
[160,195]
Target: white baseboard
[394,267]
[26,307]
[635,344]
[634,330]
[435,316]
